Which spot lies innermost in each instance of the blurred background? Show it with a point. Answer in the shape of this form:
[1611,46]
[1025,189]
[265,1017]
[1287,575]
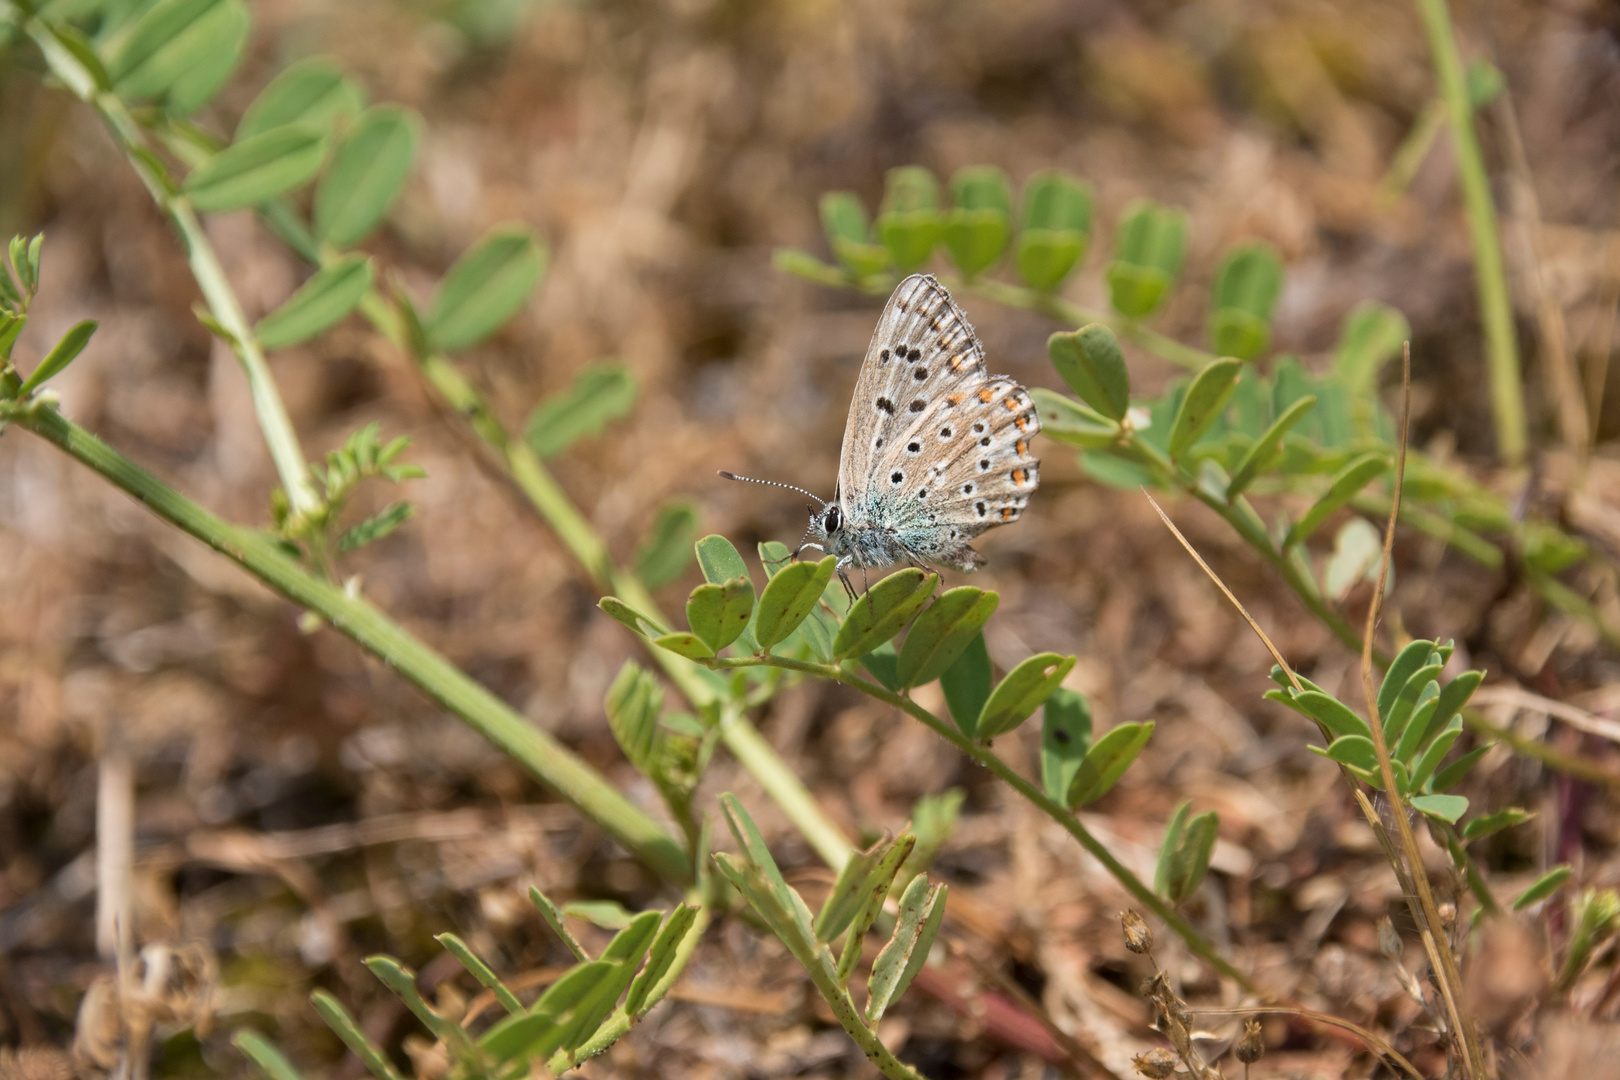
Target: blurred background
[297,807]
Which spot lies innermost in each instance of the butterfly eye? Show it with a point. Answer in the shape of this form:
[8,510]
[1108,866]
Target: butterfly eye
[831,520]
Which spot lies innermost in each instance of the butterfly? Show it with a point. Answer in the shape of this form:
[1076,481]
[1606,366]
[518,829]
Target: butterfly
[936,450]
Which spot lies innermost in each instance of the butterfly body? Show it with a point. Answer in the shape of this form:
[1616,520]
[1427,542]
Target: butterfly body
[936,450]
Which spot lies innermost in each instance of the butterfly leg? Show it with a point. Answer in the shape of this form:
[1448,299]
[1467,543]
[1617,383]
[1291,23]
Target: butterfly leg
[801,547]
[849,590]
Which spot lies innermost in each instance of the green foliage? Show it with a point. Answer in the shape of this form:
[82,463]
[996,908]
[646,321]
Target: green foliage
[909,222]
[1092,363]
[942,632]
[61,355]
[1543,887]
[922,911]
[843,218]
[1056,228]
[789,597]
[1025,689]
[366,175]
[174,39]
[362,456]
[264,1054]
[330,293]
[1105,761]
[254,171]
[966,684]
[1065,739]
[1247,285]
[663,556]
[1202,404]
[601,394]
[1184,855]
[313,92]
[878,614]
[485,288]
[1148,249]
[980,220]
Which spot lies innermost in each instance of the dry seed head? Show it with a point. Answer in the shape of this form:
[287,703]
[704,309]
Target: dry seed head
[1389,942]
[1252,1047]
[1448,913]
[1157,1064]
[1138,938]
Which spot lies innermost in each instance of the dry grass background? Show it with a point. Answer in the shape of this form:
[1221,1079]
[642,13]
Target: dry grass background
[297,807]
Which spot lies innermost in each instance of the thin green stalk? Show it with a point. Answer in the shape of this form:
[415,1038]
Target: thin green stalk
[550,761]
[1031,792]
[223,305]
[548,499]
[1490,279]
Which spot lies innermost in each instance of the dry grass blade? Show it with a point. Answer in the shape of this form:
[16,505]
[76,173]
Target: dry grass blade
[1425,912]
[1216,578]
[1374,1043]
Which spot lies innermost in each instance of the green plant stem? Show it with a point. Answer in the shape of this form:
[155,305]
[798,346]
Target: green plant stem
[223,305]
[1031,792]
[1490,279]
[547,498]
[849,1018]
[550,761]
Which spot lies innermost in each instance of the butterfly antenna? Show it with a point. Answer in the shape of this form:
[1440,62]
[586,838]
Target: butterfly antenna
[774,483]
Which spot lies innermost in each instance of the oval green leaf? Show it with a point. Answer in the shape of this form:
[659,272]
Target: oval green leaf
[1447,808]
[312,91]
[789,598]
[1436,752]
[1092,363]
[251,172]
[719,613]
[321,301]
[879,613]
[1106,762]
[940,634]
[61,355]
[1071,422]
[1360,472]
[966,684]
[1543,887]
[1415,655]
[718,559]
[366,174]
[170,38]
[222,37]
[1267,448]
[1202,404]
[1065,738]
[485,288]
[1024,690]
[1333,714]
[663,556]
[685,644]
[601,394]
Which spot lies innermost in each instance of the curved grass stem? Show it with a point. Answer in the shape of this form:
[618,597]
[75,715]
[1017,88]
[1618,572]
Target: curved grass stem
[550,761]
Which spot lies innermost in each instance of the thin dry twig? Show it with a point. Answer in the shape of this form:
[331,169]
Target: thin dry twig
[1425,911]
[1577,718]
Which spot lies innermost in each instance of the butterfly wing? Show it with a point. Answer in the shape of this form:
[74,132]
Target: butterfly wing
[936,450]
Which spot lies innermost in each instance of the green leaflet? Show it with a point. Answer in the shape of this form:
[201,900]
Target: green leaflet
[329,294]
[485,288]
[1106,762]
[967,683]
[1024,690]
[941,633]
[1202,404]
[1065,738]
[718,614]
[313,92]
[366,174]
[789,598]
[257,170]
[878,614]
[1092,363]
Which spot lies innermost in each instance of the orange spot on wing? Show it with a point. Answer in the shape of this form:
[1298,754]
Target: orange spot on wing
[1012,404]
[986,395]
[1018,476]
[956,398]
[1006,513]
[1023,423]
[1023,448]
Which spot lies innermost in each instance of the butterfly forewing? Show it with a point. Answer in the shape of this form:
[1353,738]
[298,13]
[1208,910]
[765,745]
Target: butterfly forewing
[935,450]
